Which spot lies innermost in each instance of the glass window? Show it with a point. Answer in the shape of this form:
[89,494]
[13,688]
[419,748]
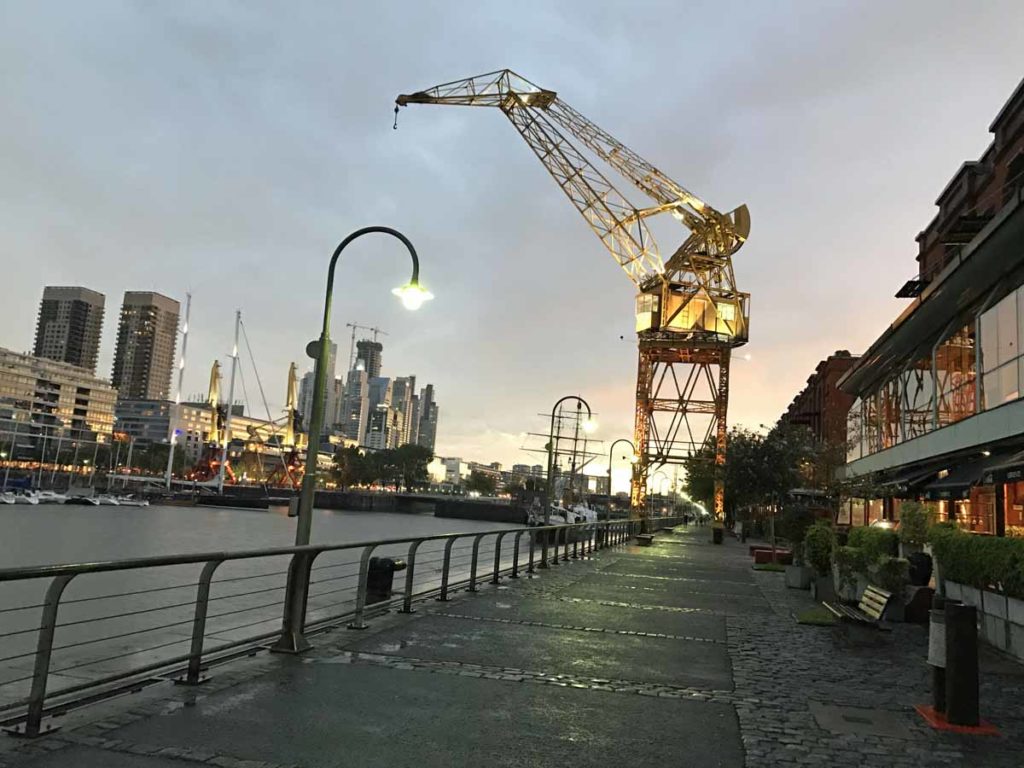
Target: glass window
[989,340]
[1007,334]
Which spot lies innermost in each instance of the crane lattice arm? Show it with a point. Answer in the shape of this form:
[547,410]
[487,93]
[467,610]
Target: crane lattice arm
[538,114]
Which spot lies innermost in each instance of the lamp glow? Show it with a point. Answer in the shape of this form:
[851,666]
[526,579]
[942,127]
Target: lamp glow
[634,459]
[412,295]
[589,425]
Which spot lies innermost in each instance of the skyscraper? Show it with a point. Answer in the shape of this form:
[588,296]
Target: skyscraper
[369,352]
[69,326]
[146,337]
[353,415]
[428,411]
[402,397]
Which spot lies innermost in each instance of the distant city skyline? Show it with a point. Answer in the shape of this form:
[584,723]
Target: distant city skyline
[831,122]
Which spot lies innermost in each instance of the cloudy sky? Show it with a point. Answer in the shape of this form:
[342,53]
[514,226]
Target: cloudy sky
[225,148]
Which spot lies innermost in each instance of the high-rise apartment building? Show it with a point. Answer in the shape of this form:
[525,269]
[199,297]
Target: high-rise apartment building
[402,396]
[69,326]
[370,353]
[427,432]
[354,412]
[146,337]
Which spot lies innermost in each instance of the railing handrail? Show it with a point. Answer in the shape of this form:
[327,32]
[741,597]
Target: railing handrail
[39,571]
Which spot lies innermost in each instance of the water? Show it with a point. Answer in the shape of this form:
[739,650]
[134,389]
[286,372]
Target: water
[112,622]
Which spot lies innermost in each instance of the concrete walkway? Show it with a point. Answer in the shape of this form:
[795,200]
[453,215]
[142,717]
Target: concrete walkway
[677,654]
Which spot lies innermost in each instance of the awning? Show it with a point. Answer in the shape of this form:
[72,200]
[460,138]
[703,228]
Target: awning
[957,484]
[908,480]
[1007,470]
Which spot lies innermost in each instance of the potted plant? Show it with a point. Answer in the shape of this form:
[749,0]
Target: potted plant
[850,573]
[915,519]
[893,575]
[817,552]
[793,525]
[799,574]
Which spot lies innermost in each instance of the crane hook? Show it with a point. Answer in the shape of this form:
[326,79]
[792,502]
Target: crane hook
[395,126]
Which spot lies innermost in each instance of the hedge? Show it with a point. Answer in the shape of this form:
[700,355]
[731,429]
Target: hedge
[875,543]
[984,562]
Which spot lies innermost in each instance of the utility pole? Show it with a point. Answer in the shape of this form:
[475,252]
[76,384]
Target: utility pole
[231,400]
[173,420]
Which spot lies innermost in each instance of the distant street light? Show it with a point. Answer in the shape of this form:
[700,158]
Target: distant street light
[633,459]
[412,295]
[588,426]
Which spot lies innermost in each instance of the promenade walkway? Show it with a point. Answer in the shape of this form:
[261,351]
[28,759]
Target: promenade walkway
[674,655]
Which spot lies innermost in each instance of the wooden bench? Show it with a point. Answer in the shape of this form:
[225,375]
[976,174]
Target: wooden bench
[645,539]
[868,612]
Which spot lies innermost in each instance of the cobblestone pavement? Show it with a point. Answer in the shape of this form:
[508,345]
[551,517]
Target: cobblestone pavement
[682,637]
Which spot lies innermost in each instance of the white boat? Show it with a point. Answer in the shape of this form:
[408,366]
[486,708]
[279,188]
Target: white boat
[26,498]
[6,498]
[128,501]
[106,500]
[51,497]
[87,501]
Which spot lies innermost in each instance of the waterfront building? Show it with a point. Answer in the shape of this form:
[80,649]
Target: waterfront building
[938,412]
[381,391]
[821,406]
[521,469]
[69,326]
[384,428]
[146,337]
[370,354]
[46,397]
[456,470]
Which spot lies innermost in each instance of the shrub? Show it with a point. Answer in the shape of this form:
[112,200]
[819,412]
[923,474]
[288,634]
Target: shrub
[818,547]
[849,562]
[876,543]
[891,573]
[984,562]
[914,520]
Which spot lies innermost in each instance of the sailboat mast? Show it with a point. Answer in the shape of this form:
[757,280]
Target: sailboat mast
[176,408]
[231,400]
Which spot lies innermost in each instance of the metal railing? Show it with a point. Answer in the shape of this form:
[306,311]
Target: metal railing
[321,587]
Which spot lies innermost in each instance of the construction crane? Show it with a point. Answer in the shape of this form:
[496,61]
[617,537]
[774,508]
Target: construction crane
[689,313]
[352,350]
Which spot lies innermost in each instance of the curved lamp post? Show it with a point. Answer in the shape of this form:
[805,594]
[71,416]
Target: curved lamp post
[412,295]
[664,478]
[588,426]
[633,459]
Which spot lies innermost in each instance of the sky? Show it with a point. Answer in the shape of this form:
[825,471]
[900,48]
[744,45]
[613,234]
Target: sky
[226,148]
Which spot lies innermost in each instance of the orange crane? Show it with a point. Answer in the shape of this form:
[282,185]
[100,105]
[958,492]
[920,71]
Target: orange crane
[689,313]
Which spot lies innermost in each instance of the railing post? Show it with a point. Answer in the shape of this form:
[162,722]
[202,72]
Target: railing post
[558,530]
[410,564]
[443,597]
[195,654]
[576,533]
[473,561]
[364,574]
[515,556]
[293,624]
[565,543]
[543,548]
[497,557]
[44,647]
[533,542]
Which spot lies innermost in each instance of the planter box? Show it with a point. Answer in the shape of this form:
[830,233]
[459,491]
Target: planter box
[1000,618]
[1015,608]
[798,576]
[953,590]
[821,589]
[971,596]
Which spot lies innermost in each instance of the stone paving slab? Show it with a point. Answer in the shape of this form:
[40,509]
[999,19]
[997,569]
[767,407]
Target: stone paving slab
[678,568]
[642,595]
[556,651]
[581,614]
[676,585]
[332,715]
[94,757]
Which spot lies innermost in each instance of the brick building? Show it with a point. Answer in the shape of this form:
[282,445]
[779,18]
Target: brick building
[821,405]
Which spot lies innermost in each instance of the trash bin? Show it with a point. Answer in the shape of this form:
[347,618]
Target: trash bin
[380,578]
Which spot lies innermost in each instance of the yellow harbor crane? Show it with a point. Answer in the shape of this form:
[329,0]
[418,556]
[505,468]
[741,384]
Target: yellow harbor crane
[689,314]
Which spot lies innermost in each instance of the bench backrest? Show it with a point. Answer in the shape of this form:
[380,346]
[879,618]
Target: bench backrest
[874,601]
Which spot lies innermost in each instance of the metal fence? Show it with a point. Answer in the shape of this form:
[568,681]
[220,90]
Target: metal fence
[90,630]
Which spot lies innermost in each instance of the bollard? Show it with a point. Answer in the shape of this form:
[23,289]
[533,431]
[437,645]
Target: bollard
[937,652]
[962,664]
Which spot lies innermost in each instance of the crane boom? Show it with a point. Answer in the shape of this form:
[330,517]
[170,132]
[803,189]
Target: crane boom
[689,311]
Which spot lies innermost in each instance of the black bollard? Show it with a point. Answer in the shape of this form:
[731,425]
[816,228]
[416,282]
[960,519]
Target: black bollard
[961,664]
[937,652]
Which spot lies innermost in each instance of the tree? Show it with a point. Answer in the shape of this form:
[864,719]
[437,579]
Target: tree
[411,462]
[480,483]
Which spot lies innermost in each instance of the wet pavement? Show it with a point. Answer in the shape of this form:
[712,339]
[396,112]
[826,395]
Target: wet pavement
[677,654]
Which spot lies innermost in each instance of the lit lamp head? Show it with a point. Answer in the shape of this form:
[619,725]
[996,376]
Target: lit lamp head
[589,425]
[634,459]
[413,295]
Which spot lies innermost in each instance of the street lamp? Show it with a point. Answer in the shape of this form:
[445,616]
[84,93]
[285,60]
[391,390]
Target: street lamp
[588,426]
[412,295]
[633,459]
